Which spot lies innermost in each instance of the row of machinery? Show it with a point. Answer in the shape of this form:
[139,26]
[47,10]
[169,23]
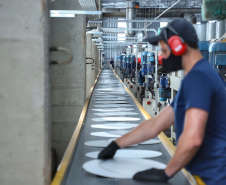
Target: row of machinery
[154,88]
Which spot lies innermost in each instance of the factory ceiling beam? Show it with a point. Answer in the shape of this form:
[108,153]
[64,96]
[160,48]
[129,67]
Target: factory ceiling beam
[123,29]
[116,42]
[148,21]
[88,5]
[76,12]
[105,37]
[147,12]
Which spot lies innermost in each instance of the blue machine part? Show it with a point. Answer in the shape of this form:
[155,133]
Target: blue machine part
[151,63]
[144,69]
[144,55]
[128,65]
[124,61]
[140,78]
[133,62]
[150,69]
[204,48]
[164,93]
[151,57]
[118,61]
[217,56]
[144,62]
[121,61]
[163,81]
[127,61]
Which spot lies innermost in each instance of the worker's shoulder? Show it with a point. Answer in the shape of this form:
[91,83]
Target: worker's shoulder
[204,74]
[200,77]
[197,75]
[203,66]
[203,70]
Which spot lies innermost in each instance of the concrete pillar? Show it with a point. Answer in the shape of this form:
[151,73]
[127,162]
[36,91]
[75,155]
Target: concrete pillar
[88,66]
[68,81]
[24,94]
[94,56]
[98,62]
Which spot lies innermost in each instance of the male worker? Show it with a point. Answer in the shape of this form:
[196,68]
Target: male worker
[198,111]
[112,62]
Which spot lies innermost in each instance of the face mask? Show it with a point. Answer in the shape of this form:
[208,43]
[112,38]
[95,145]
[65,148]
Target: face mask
[173,63]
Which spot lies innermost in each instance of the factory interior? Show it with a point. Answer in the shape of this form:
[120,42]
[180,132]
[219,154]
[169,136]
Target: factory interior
[70,66]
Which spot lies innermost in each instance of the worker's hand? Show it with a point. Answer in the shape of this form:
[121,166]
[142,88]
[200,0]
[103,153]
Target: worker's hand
[109,151]
[153,174]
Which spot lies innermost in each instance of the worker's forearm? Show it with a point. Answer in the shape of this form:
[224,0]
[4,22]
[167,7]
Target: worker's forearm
[148,129]
[186,149]
[141,133]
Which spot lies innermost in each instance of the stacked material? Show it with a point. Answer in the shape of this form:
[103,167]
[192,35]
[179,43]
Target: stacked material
[113,96]
[112,113]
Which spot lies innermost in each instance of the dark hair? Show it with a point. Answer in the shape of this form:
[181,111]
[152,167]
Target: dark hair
[193,45]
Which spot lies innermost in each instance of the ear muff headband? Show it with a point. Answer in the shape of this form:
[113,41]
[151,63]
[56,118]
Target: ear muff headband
[166,37]
[175,42]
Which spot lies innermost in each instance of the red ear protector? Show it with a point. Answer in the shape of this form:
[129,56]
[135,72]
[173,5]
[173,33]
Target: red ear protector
[176,43]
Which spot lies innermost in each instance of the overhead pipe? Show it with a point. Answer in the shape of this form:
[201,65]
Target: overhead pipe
[100,8]
[130,15]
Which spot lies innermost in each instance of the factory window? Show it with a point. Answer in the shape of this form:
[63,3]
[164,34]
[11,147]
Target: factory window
[121,25]
[163,24]
[121,36]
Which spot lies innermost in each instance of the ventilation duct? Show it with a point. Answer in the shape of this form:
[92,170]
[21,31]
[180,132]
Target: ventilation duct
[88,5]
[130,15]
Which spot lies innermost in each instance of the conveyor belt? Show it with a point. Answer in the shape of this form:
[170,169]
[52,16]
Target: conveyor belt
[75,175]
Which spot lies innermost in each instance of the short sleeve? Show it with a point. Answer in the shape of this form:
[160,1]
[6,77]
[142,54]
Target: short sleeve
[197,90]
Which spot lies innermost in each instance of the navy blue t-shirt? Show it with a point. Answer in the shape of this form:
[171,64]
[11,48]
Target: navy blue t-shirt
[203,88]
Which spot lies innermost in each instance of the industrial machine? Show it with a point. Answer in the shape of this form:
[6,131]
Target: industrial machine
[217,56]
[164,90]
[144,62]
[204,48]
[128,66]
[132,66]
[151,63]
